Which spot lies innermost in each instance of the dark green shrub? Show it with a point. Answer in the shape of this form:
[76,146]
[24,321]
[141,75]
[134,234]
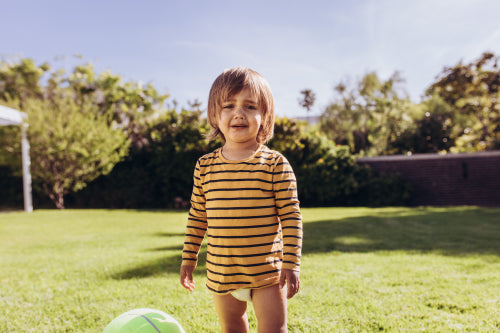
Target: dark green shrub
[157,175]
[328,175]
[11,189]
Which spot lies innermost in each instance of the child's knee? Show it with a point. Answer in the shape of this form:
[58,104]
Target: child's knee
[234,327]
[234,323]
[277,325]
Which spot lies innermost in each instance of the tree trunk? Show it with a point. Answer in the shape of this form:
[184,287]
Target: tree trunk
[59,201]
[57,196]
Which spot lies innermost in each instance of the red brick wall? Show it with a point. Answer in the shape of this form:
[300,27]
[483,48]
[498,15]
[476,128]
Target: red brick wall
[444,180]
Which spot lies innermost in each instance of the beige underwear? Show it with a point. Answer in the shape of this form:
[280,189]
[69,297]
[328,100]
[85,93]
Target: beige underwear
[244,295]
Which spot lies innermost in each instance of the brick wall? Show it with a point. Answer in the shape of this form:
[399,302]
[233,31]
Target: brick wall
[444,180]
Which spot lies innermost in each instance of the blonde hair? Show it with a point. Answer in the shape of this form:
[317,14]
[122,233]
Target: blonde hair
[230,83]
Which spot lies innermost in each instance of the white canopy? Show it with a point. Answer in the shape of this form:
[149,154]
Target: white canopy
[8,117]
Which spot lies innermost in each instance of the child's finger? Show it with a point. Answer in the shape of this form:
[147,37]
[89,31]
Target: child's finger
[188,283]
[189,286]
[293,284]
[283,278]
[292,289]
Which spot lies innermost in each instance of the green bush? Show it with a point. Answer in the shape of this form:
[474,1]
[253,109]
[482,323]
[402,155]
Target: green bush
[328,175]
[160,173]
[11,193]
[157,175]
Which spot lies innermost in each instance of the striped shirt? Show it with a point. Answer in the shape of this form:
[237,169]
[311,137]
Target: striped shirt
[249,212]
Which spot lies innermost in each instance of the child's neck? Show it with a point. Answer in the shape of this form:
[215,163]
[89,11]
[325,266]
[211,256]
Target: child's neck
[239,152]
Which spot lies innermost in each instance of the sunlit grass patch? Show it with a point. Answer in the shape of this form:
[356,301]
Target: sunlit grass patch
[364,270]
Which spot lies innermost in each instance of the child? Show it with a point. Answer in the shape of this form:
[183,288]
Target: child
[245,200]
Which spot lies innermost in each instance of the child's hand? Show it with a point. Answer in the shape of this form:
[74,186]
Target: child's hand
[292,280]
[187,277]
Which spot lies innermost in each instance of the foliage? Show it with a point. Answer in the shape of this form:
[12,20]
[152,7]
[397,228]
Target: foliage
[307,100]
[75,100]
[461,112]
[20,81]
[431,130]
[128,105]
[11,185]
[474,91]
[161,171]
[367,117]
[70,146]
[10,147]
[328,175]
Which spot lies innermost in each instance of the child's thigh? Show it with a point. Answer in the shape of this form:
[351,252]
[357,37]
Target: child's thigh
[270,308]
[229,310]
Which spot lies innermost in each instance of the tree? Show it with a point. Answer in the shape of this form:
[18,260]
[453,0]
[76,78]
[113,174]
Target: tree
[328,174]
[369,116]
[19,81]
[129,105]
[474,91]
[307,100]
[161,171]
[431,129]
[10,147]
[70,146]
[113,106]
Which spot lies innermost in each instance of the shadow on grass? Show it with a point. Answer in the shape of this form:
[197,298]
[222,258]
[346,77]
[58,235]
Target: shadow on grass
[448,231]
[167,265]
[168,234]
[453,231]
[167,248]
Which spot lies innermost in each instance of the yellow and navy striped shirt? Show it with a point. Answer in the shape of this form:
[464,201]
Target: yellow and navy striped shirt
[250,213]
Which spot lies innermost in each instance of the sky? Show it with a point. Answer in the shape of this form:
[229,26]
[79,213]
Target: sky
[180,47]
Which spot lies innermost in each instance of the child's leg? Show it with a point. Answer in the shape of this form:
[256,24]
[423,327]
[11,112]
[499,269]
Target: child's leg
[270,309]
[232,313]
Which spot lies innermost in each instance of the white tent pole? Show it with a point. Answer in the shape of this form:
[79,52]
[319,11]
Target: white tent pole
[25,146]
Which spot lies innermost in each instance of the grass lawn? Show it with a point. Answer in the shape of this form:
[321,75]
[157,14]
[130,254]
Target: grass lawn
[364,270]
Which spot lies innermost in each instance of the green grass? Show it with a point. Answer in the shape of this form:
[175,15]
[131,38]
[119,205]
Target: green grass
[364,270]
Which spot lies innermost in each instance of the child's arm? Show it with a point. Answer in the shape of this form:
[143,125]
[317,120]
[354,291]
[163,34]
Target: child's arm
[195,231]
[287,204]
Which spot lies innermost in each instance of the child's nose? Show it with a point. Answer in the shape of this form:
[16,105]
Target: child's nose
[239,112]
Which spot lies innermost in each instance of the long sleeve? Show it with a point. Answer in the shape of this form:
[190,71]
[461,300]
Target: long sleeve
[197,222]
[287,204]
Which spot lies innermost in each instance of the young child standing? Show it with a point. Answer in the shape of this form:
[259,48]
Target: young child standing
[245,201]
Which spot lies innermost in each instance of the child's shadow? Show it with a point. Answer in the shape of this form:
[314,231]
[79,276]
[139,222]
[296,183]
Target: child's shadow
[167,265]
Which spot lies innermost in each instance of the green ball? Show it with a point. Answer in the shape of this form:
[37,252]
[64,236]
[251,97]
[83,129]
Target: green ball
[144,321]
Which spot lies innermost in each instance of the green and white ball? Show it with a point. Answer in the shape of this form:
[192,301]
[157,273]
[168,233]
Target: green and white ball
[144,321]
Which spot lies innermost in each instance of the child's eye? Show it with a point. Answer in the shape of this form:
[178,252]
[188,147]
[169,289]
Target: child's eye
[252,107]
[228,106]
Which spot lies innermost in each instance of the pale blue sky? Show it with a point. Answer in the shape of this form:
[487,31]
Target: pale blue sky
[181,46]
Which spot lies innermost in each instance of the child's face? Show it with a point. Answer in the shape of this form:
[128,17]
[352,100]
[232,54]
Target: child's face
[240,118]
